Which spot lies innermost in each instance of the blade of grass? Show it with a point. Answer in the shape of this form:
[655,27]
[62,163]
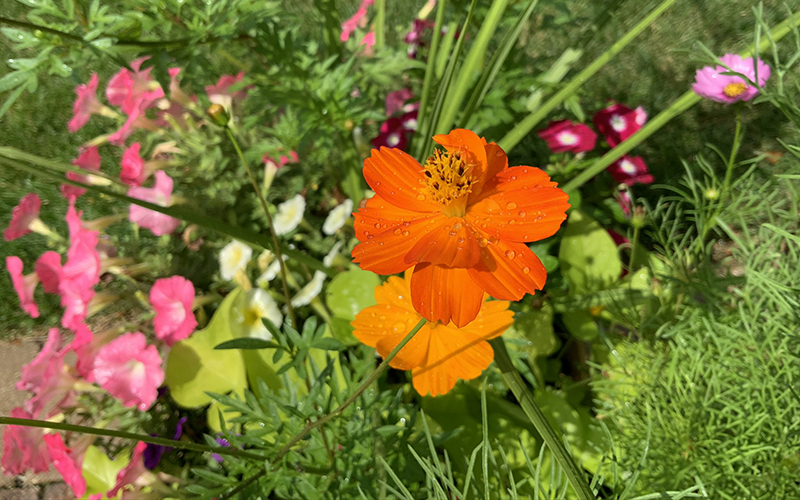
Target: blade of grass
[515,135]
[430,69]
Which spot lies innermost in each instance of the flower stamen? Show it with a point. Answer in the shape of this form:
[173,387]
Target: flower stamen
[734,89]
[448,179]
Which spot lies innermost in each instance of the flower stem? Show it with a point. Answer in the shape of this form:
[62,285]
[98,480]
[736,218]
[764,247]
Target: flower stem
[243,484]
[276,245]
[726,184]
[352,399]
[512,378]
[184,445]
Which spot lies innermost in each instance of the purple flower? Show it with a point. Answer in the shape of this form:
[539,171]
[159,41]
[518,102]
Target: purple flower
[153,452]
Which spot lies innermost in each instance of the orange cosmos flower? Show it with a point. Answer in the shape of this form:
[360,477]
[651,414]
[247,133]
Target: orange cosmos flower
[461,220]
[438,355]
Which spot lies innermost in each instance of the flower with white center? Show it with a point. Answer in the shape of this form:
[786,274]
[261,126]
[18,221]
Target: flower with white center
[271,273]
[567,138]
[234,258]
[327,261]
[618,123]
[258,305]
[338,217]
[310,291]
[627,166]
[289,215]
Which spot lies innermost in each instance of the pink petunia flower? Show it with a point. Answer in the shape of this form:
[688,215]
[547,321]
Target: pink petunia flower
[66,463]
[48,378]
[88,159]
[368,41]
[564,136]
[81,271]
[133,90]
[618,122]
[395,100]
[133,471]
[86,345]
[221,92]
[24,447]
[136,119]
[23,217]
[172,300]
[24,285]
[85,105]
[630,170]
[130,370]
[176,93]
[712,84]
[358,20]
[34,373]
[48,269]
[133,171]
[159,194]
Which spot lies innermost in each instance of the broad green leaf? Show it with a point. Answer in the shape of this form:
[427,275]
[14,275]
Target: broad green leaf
[341,329]
[194,366]
[100,472]
[588,255]
[580,324]
[350,292]
[536,327]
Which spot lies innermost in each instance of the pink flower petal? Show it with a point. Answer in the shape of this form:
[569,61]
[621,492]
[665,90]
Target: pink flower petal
[130,370]
[133,172]
[85,105]
[48,269]
[160,194]
[131,472]
[22,215]
[88,159]
[711,84]
[23,285]
[630,170]
[172,300]
[24,447]
[66,463]
[564,136]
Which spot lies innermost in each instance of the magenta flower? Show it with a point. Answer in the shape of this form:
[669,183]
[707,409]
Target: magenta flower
[24,447]
[283,160]
[23,216]
[130,370]
[415,37]
[358,20]
[392,134]
[712,84]
[564,136]
[618,122]
[133,171]
[24,285]
[395,100]
[85,105]
[128,475]
[88,159]
[159,194]
[66,463]
[172,300]
[133,90]
[48,269]
[630,170]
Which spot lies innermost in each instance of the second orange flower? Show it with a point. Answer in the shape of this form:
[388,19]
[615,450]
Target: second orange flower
[462,220]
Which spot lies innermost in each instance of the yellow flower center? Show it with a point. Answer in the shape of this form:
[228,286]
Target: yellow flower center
[734,89]
[448,181]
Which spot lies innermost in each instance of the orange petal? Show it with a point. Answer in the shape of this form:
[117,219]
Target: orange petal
[452,354]
[444,294]
[513,179]
[496,160]
[469,145]
[397,178]
[451,244]
[396,291]
[521,215]
[493,319]
[507,271]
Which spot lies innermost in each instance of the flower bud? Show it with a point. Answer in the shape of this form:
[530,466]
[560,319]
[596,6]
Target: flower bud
[218,114]
[711,194]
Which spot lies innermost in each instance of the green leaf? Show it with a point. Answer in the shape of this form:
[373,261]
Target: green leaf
[328,344]
[580,324]
[341,329]
[536,327]
[247,343]
[588,255]
[195,367]
[350,292]
[100,471]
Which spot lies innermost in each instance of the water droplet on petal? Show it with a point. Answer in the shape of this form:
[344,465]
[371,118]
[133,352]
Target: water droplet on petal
[521,213]
[406,223]
[512,222]
[457,226]
[377,225]
[397,231]
[510,254]
[421,197]
[461,240]
[483,243]
[526,270]
[405,233]
[452,233]
[499,153]
[511,206]
[399,327]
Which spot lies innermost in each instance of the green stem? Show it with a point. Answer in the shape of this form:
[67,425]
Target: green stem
[526,125]
[244,484]
[636,230]
[726,184]
[380,24]
[352,399]
[184,445]
[275,242]
[427,84]
[512,378]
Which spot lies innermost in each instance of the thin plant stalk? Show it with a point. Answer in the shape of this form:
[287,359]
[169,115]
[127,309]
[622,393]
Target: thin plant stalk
[275,242]
[352,399]
[726,183]
[513,379]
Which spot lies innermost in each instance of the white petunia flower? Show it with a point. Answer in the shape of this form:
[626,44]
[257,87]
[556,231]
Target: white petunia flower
[311,290]
[258,304]
[289,215]
[338,217]
[327,261]
[271,273]
[265,259]
[234,258]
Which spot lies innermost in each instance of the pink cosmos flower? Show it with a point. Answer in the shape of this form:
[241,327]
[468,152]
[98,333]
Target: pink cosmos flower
[130,370]
[712,84]
[66,463]
[133,171]
[22,216]
[172,300]
[630,170]
[48,269]
[159,194]
[128,475]
[358,20]
[85,105]
[88,159]
[24,447]
[221,92]
[395,100]
[618,122]
[133,90]
[24,285]
[564,136]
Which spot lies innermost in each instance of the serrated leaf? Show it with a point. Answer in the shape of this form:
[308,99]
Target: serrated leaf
[328,344]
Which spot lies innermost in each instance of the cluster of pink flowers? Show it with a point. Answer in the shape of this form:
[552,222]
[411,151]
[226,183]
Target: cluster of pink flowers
[401,123]
[359,21]
[616,123]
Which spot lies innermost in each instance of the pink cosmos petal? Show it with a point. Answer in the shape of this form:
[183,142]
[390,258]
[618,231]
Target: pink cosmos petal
[618,122]
[85,105]
[24,447]
[564,136]
[66,463]
[48,269]
[711,84]
[131,472]
[130,370]
[22,215]
[159,194]
[630,170]
[133,171]
[23,285]
[88,159]
[172,300]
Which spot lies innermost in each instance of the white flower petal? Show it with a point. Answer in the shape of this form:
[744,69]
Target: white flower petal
[233,258]
[338,217]
[327,261]
[259,305]
[289,215]
[311,290]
